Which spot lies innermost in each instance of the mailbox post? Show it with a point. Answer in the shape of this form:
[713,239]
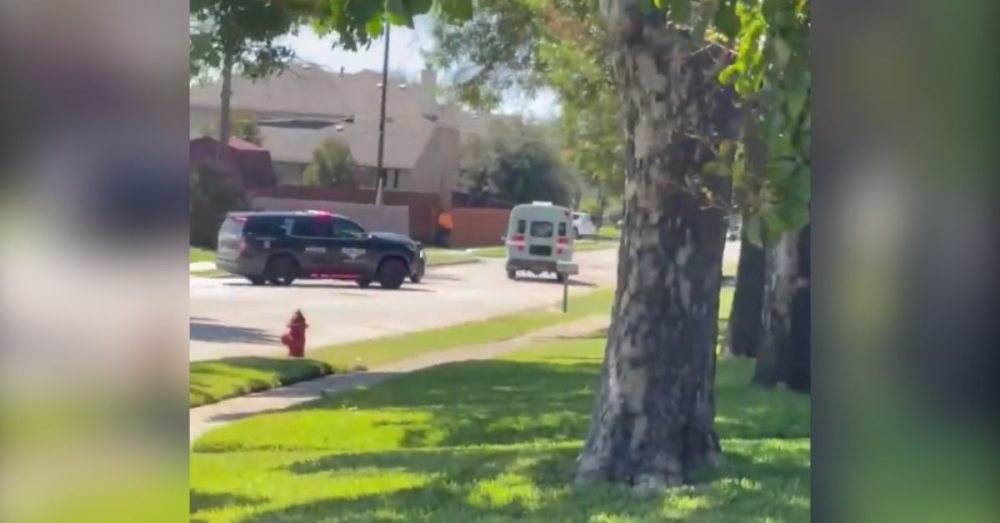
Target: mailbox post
[565,270]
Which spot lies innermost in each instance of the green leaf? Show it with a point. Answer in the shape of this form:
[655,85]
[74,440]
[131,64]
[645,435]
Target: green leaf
[726,21]
[715,169]
[418,7]
[456,10]
[374,27]
[680,11]
[800,187]
[772,227]
[794,215]
[399,12]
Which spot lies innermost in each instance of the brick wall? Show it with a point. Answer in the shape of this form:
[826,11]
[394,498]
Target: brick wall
[478,227]
[423,208]
[384,218]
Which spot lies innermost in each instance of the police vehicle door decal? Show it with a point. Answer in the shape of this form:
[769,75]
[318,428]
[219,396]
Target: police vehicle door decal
[353,254]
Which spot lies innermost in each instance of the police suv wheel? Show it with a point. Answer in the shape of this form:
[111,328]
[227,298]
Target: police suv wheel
[415,278]
[257,280]
[281,271]
[364,283]
[391,274]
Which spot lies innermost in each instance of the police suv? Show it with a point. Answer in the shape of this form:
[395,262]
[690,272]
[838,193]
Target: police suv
[280,247]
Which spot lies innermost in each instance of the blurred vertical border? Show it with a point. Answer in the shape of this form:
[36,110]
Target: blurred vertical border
[93,270]
[905,359]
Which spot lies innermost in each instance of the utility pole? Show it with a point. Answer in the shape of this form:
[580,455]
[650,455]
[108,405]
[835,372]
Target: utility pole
[380,181]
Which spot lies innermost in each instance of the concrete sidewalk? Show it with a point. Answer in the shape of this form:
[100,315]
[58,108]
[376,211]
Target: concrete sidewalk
[202,266]
[202,419]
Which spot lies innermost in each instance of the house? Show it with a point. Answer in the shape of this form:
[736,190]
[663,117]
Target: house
[306,105]
[419,155]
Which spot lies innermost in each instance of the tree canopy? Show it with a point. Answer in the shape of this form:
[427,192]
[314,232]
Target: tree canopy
[527,45]
[244,31]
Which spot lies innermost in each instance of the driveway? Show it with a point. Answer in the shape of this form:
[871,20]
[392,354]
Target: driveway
[229,317]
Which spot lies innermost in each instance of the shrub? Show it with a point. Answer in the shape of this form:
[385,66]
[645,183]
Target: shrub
[331,165]
[213,194]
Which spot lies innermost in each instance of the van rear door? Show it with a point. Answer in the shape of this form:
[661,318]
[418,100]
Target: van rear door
[541,234]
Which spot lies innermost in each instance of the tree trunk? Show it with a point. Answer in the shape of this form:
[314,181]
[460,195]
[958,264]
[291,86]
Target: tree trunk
[225,118]
[781,275]
[653,420]
[800,356]
[602,203]
[745,317]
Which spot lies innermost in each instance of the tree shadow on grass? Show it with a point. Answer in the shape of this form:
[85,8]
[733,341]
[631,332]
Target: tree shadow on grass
[498,441]
[535,484]
[500,402]
[210,331]
[209,501]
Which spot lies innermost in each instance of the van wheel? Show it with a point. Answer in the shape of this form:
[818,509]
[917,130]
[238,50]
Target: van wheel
[257,280]
[281,271]
[561,278]
[511,274]
[391,274]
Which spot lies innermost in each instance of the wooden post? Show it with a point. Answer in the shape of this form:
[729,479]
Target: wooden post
[565,270]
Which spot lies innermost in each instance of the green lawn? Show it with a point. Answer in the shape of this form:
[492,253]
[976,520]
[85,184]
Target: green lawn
[215,380]
[200,255]
[490,441]
[441,257]
[212,380]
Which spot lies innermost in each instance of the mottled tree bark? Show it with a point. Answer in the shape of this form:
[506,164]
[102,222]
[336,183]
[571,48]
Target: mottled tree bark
[653,421]
[745,317]
[784,345]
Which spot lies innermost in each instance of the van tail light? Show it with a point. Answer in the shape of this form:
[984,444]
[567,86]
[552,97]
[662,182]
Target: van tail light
[562,240]
[517,238]
[559,250]
[520,247]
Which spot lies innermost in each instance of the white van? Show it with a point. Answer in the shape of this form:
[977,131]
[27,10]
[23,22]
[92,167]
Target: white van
[539,235]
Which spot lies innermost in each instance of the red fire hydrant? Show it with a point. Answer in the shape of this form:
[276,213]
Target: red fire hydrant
[295,337]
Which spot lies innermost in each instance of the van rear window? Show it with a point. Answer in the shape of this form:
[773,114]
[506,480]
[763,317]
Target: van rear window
[562,228]
[522,226]
[542,229]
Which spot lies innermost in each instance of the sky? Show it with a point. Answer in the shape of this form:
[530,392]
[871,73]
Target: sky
[405,47]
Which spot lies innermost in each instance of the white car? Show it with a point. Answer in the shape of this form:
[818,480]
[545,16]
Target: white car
[583,225]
